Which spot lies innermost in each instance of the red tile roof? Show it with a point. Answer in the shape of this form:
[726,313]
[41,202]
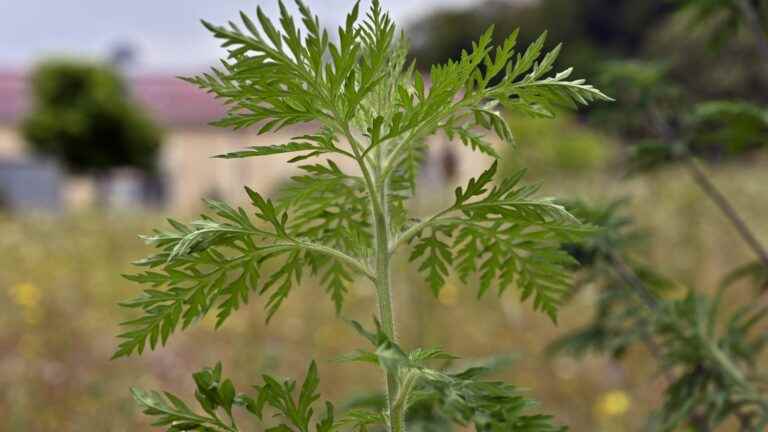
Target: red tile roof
[174,102]
[13,96]
[169,100]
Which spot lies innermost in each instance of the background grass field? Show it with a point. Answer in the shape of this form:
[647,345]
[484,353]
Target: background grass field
[60,282]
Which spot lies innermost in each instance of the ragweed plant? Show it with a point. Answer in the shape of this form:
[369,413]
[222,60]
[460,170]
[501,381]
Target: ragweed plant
[370,106]
[708,347]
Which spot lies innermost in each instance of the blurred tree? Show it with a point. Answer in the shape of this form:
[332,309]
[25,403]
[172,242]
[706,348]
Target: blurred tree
[83,116]
[728,17]
[725,67]
[664,123]
[593,28]
[680,34]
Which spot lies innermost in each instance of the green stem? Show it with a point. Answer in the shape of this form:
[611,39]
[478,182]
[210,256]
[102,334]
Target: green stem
[376,184]
[733,372]
[322,249]
[386,315]
[384,295]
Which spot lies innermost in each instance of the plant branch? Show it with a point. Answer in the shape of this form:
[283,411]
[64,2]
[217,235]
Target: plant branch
[711,190]
[406,235]
[367,177]
[390,162]
[409,233]
[377,194]
[325,250]
[725,206]
[724,363]
[655,350]
[751,16]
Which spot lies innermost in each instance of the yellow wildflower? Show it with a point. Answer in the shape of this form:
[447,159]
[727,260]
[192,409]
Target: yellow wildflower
[449,295]
[26,294]
[613,404]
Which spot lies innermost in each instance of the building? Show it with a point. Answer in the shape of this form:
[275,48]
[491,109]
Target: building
[189,173]
[13,103]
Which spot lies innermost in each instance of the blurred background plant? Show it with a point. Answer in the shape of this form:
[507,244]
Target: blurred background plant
[82,114]
[707,345]
[699,62]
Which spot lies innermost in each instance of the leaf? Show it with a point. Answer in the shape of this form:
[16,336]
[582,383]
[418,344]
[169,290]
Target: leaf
[215,393]
[215,263]
[174,413]
[273,150]
[460,396]
[504,235]
[756,272]
[360,419]
[329,207]
[437,257]
[475,187]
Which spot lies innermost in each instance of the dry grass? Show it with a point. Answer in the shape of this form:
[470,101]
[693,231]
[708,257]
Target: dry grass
[59,282]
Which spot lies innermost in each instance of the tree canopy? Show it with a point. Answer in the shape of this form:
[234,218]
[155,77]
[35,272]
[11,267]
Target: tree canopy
[83,116]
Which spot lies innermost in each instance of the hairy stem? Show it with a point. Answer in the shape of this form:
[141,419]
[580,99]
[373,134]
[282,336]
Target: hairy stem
[383,256]
[376,185]
[386,313]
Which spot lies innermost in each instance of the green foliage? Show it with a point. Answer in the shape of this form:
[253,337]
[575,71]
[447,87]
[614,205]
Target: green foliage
[677,33]
[218,397]
[594,29]
[503,235]
[462,396]
[643,85]
[83,116]
[726,17]
[709,353]
[707,346]
[619,320]
[729,127]
[716,354]
[370,107]
[322,219]
[615,230]
[215,262]
[663,126]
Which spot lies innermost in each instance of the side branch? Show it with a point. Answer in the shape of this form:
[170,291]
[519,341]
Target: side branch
[747,10]
[325,250]
[437,218]
[414,230]
[711,191]
[727,208]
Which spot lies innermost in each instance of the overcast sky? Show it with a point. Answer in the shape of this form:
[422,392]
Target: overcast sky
[165,34]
